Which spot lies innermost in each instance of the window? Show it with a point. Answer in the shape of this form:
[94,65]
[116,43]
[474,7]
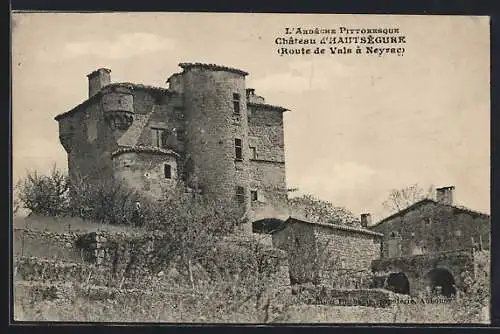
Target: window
[167,170]
[458,233]
[240,194]
[236,103]
[439,242]
[238,149]
[159,137]
[394,234]
[253,152]
[180,135]
[427,222]
[254,195]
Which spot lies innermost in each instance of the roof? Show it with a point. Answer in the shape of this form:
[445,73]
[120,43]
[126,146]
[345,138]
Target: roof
[427,201]
[267,106]
[131,136]
[334,226]
[134,86]
[212,67]
[143,149]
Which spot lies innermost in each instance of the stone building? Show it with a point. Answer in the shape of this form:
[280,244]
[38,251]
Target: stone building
[329,254]
[431,244]
[206,129]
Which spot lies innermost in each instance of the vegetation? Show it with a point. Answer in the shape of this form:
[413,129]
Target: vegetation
[204,275]
[321,210]
[399,199]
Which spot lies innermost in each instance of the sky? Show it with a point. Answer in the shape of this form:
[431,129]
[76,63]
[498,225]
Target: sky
[358,125]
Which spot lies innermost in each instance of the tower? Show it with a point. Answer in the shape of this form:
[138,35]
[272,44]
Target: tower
[217,159]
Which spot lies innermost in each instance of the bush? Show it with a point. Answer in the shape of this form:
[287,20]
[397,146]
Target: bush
[104,202]
[45,194]
[471,304]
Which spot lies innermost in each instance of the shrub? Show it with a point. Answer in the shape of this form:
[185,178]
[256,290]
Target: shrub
[109,201]
[45,194]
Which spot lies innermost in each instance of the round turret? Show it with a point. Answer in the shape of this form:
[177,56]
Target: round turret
[118,105]
[217,159]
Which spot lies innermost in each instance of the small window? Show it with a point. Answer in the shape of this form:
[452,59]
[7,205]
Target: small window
[394,234]
[439,242]
[160,137]
[167,170]
[427,222]
[458,233]
[238,147]
[297,241]
[236,103]
[179,113]
[240,194]
[180,135]
[254,195]
[253,152]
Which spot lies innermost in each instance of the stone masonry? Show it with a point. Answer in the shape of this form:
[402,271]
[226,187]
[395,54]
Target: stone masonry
[206,129]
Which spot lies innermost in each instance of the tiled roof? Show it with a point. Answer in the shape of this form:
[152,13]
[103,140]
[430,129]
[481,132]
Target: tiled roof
[426,201]
[267,106]
[141,86]
[144,149]
[77,108]
[131,135]
[335,226]
[116,84]
[213,67]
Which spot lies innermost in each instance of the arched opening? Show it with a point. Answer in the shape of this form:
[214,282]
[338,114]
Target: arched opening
[398,283]
[440,282]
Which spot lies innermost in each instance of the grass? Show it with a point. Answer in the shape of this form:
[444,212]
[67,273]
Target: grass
[205,307]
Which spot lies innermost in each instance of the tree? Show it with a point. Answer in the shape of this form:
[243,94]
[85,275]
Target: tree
[399,199]
[44,194]
[323,211]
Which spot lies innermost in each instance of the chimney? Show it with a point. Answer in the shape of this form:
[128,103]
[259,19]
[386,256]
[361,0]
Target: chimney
[98,79]
[366,220]
[444,195]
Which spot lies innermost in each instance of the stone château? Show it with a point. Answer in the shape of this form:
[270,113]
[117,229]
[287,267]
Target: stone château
[206,129]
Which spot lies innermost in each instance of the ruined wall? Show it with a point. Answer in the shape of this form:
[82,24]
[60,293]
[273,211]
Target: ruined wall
[433,228]
[145,171]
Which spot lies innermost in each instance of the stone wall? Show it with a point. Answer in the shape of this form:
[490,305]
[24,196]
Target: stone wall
[349,250]
[211,130]
[431,227]
[266,134]
[92,143]
[299,242]
[144,171]
[326,255]
[417,267]
[45,244]
[137,259]
[267,167]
